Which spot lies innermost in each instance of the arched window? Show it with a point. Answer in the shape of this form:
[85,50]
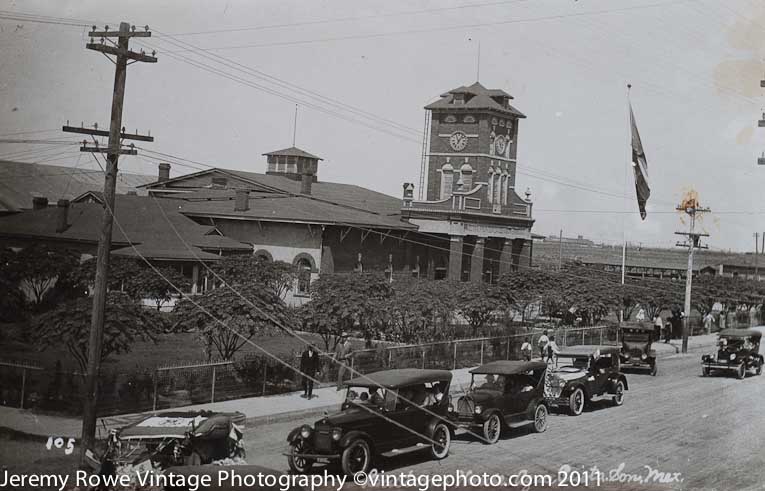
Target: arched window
[447,180]
[263,254]
[303,276]
[491,185]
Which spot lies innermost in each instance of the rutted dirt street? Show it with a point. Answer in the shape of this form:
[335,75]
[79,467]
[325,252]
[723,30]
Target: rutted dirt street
[709,430]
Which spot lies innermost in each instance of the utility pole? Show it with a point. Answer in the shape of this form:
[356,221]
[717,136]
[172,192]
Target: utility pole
[691,208]
[756,256]
[116,134]
[560,250]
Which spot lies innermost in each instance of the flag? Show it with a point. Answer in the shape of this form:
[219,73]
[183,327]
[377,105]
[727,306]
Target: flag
[639,167]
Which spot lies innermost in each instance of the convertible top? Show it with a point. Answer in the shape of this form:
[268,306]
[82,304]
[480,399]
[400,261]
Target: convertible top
[638,326]
[177,424]
[741,333]
[509,367]
[588,349]
[400,377]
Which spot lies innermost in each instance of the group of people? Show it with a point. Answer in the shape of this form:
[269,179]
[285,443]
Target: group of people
[548,348]
[310,366]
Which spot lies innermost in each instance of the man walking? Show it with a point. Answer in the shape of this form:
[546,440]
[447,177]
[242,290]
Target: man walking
[309,367]
[552,350]
[526,349]
[343,354]
[542,344]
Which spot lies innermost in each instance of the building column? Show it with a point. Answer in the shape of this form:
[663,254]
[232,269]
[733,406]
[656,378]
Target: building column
[455,258]
[506,257]
[476,262]
[194,279]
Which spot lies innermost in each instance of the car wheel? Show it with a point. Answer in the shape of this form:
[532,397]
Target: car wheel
[357,457]
[619,395]
[576,402]
[759,368]
[442,439]
[705,371]
[540,418]
[299,465]
[654,369]
[741,372]
[492,429]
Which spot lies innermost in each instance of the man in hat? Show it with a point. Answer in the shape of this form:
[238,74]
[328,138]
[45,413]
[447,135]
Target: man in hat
[309,367]
[343,353]
[542,344]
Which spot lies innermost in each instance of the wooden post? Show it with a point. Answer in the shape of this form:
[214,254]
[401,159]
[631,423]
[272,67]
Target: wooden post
[390,357]
[265,375]
[212,390]
[455,356]
[156,386]
[583,337]
[508,348]
[23,386]
[564,337]
[482,352]
[601,336]
[423,358]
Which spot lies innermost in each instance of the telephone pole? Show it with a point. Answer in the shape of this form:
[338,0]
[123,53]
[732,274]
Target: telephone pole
[756,256]
[116,134]
[691,209]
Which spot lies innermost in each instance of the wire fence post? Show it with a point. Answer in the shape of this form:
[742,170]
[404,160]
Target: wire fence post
[212,389]
[583,337]
[565,337]
[482,352]
[265,375]
[423,358]
[508,347]
[601,336]
[23,386]
[454,367]
[156,387]
[390,357]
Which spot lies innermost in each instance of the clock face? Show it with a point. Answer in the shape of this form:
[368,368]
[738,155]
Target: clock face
[458,141]
[499,144]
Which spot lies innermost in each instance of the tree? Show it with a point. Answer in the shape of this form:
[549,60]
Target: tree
[343,302]
[278,276]
[40,268]
[420,310]
[227,318]
[12,299]
[521,289]
[478,303]
[125,322]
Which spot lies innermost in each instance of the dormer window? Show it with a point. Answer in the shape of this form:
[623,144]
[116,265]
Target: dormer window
[459,99]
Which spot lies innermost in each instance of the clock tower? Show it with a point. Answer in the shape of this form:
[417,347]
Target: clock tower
[471,184]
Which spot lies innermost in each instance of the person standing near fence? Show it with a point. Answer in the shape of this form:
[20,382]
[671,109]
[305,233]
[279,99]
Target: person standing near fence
[542,344]
[526,349]
[309,366]
[343,354]
[552,350]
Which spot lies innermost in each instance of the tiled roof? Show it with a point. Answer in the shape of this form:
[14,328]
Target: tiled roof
[290,207]
[144,220]
[20,182]
[294,152]
[481,99]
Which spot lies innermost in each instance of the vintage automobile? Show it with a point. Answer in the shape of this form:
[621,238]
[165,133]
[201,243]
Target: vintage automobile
[385,413]
[502,394]
[176,438]
[737,350]
[636,347]
[583,373]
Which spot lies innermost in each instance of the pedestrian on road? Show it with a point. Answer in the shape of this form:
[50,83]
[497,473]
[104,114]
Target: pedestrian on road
[542,344]
[343,354]
[309,367]
[552,350]
[658,326]
[526,350]
[669,326]
[708,322]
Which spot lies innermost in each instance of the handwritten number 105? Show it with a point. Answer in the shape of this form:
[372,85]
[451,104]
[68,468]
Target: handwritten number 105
[58,442]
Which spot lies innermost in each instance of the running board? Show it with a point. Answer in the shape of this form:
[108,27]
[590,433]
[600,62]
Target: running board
[402,451]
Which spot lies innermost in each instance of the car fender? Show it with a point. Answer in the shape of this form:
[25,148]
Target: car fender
[570,388]
[355,435]
[617,378]
[293,435]
[532,407]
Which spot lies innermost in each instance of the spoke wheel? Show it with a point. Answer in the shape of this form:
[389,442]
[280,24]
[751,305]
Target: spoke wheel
[492,429]
[576,402]
[442,439]
[705,371]
[741,372]
[299,465]
[540,418]
[619,395]
[759,369]
[357,457]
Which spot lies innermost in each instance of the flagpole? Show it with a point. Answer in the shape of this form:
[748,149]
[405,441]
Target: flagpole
[624,197]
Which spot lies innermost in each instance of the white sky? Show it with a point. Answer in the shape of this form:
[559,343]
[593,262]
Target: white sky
[695,67]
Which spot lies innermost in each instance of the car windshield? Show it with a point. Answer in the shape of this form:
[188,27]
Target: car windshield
[636,336]
[731,342]
[488,381]
[372,396]
[571,363]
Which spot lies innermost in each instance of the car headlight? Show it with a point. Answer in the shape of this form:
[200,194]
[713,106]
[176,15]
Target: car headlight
[478,409]
[336,434]
[305,431]
[627,355]
[451,408]
[643,356]
[561,383]
[733,356]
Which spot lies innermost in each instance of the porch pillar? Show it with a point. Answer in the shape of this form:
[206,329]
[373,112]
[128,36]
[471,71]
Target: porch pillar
[455,258]
[476,262]
[506,257]
[194,278]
